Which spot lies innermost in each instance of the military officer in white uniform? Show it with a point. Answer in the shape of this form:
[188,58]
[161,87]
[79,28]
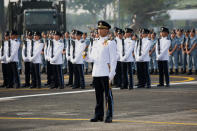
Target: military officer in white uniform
[12,60]
[35,58]
[142,57]
[26,54]
[104,57]
[126,58]
[77,60]
[3,52]
[56,60]
[162,55]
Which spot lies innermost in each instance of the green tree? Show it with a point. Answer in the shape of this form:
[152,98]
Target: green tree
[146,12]
[94,7]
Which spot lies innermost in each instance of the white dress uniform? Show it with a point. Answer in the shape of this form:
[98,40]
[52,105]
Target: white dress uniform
[5,69]
[77,60]
[36,60]
[12,60]
[162,56]
[142,57]
[56,60]
[103,56]
[126,58]
[37,49]
[26,54]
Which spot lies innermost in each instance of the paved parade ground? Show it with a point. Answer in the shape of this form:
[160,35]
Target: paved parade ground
[155,109]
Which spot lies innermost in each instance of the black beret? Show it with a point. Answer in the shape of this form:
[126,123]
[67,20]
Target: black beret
[77,32]
[73,31]
[13,32]
[57,33]
[116,29]
[37,33]
[164,29]
[103,25]
[145,31]
[7,33]
[128,30]
[187,31]
[173,32]
[29,33]
[120,31]
[192,30]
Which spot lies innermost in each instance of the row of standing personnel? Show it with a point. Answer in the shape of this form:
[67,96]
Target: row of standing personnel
[73,48]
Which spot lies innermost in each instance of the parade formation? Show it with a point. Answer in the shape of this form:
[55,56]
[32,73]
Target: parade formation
[113,56]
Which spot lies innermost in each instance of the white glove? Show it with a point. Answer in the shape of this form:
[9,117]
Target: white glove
[111,76]
[9,60]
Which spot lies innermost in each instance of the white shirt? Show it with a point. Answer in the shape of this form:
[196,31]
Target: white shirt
[90,48]
[58,47]
[37,49]
[164,47]
[14,47]
[129,46]
[26,58]
[119,47]
[80,46]
[104,57]
[145,47]
[69,43]
[3,56]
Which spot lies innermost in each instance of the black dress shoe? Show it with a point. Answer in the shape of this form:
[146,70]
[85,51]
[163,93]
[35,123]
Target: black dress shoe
[160,85]
[96,119]
[47,84]
[74,87]
[68,84]
[108,120]
[167,85]
[2,86]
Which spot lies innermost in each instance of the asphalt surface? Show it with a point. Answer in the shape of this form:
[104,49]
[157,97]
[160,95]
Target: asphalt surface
[155,109]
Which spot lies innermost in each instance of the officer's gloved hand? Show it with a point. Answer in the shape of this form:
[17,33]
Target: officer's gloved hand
[9,60]
[111,76]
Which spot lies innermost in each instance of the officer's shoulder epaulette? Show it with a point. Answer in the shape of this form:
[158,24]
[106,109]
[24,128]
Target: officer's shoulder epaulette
[82,41]
[169,38]
[149,39]
[61,41]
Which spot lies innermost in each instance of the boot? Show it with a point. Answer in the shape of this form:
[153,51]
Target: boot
[156,72]
[195,72]
[171,71]
[86,71]
[176,71]
[151,71]
[184,71]
[190,72]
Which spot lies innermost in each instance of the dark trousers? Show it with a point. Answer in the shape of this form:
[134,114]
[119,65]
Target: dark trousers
[118,78]
[101,85]
[5,74]
[36,80]
[14,78]
[163,71]
[27,73]
[49,73]
[70,69]
[143,74]
[58,76]
[79,80]
[126,69]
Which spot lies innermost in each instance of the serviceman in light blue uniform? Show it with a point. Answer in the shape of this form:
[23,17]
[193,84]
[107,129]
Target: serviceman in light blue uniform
[192,52]
[153,63]
[180,38]
[173,53]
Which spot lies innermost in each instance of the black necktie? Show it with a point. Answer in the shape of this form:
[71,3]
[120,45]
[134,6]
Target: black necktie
[52,48]
[91,41]
[25,42]
[69,47]
[123,50]
[2,48]
[32,48]
[9,48]
[159,46]
[140,51]
[188,43]
[73,43]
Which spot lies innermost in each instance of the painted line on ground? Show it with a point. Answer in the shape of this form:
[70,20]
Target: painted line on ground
[81,119]
[75,92]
